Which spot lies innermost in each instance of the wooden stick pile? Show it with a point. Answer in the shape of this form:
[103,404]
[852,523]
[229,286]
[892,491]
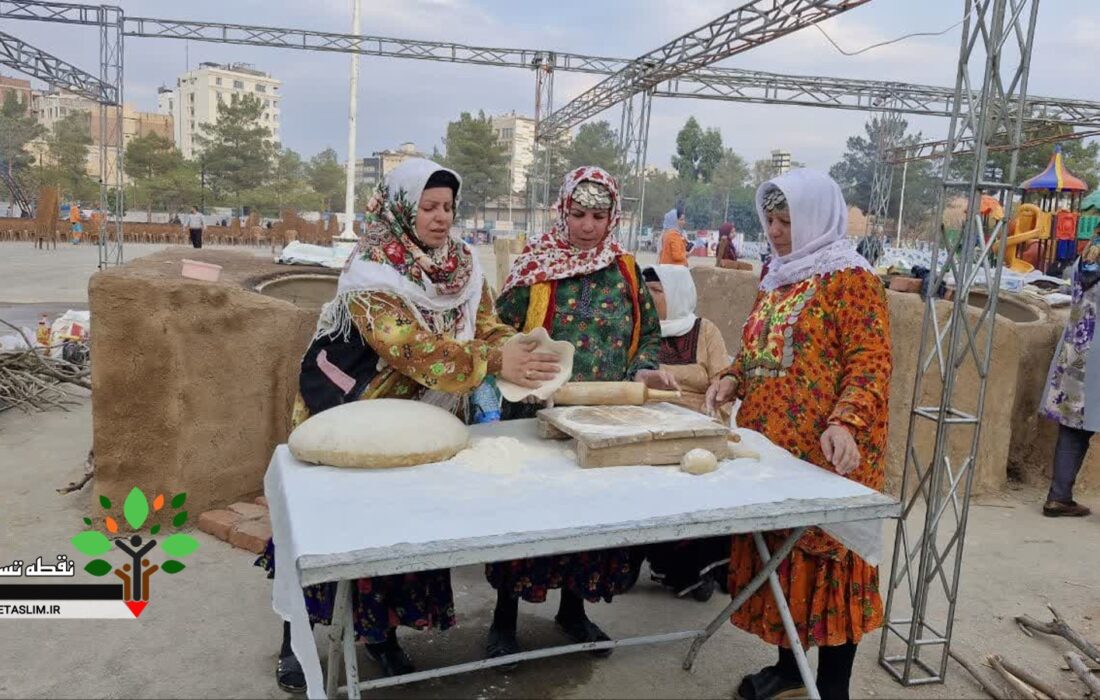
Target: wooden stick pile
[33,381]
[1021,683]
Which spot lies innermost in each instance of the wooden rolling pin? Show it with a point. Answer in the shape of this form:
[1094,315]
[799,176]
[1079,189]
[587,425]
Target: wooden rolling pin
[609,394]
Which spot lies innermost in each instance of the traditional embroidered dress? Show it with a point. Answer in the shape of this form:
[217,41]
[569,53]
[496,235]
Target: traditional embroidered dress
[411,323]
[1072,396]
[816,351]
[595,300]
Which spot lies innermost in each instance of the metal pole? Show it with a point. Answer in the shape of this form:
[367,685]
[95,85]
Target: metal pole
[348,234]
[901,202]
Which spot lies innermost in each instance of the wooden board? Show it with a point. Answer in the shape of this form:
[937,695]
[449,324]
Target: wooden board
[623,435]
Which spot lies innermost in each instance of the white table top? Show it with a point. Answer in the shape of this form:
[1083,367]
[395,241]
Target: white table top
[344,523]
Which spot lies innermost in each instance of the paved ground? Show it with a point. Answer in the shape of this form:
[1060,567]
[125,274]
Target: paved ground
[211,632]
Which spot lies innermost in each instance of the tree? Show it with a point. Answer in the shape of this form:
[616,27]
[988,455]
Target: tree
[159,176]
[473,150]
[595,144]
[327,178]
[662,191]
[698,152]
[67,148]
[236,150]
[17,129]
[288,187]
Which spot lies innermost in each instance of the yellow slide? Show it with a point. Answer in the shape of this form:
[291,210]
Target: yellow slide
[1036,226]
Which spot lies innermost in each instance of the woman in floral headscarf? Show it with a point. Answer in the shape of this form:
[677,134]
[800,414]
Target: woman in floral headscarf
[581,286]
[412,319]
[813,375]
[1072,397]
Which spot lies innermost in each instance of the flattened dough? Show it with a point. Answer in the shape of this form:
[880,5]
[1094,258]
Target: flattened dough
[378,434]
[563,349]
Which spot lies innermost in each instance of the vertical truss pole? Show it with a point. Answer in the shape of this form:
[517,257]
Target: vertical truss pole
[940,462]
[538,186]
[889,134]
[110,137]
[633,146]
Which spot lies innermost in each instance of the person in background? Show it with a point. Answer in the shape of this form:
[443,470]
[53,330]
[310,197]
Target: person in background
[673,240]
[693,351]
[1072,396]
[813,376]
[76,230]
[726,255]
[196,224]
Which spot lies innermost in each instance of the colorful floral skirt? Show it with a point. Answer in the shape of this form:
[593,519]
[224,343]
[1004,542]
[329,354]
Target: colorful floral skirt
[595,576]
[419,600]
[833,596]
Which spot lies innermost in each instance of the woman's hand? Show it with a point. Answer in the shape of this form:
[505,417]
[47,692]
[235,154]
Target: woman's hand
[840,449]
[523,366]
[719,394]
[657,379]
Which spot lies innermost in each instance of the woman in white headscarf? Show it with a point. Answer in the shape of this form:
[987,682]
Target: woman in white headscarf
[813,376]
[414,319]
[692,348]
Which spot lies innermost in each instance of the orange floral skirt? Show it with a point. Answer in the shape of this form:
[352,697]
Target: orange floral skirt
[833,597]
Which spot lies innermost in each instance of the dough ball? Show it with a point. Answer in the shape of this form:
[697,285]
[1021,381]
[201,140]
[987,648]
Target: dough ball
[699,461]
[379,433]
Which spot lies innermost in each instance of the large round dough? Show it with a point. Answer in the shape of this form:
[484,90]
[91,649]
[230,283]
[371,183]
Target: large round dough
[379,433]
[699,461]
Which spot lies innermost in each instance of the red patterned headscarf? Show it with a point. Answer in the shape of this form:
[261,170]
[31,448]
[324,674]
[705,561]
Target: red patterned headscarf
[551,256]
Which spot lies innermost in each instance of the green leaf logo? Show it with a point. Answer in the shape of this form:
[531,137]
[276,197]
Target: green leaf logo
[180,519]
[87,521]
[105,502]
[172,566]
[91,543]
[136,508]
[179,545]
[98,567]
[155,529]
[178,500]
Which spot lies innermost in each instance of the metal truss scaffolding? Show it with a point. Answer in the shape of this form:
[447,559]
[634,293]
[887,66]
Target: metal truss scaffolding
[21,56]
[538,180]
[754,23]
[945,423]
[633,142]
[882,182]
[111,192]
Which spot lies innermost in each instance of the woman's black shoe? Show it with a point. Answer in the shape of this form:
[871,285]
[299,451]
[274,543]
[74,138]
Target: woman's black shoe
[289,675]
[391,657]
[769,684]
[583,630]
[705,590]
[502,643]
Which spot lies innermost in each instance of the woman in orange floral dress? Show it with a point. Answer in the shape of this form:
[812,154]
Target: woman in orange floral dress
[813,376]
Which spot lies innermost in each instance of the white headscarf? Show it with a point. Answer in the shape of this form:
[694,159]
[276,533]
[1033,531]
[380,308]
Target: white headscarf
[672,221]
[681,299]
[819,229]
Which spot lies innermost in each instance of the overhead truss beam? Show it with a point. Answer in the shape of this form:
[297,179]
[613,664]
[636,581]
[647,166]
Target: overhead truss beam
[29,60]
[709,82]
[754,23]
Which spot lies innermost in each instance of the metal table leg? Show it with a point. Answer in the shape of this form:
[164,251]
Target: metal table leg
[770,565]
[341,617]
[351,659]
[788,622]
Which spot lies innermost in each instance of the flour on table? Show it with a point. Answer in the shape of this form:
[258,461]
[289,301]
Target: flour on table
[503,455]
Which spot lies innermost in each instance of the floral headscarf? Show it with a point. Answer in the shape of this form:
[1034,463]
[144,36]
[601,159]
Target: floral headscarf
[551,256]
[442,286]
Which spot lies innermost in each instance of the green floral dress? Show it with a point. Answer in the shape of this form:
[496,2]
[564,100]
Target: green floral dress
[595,313]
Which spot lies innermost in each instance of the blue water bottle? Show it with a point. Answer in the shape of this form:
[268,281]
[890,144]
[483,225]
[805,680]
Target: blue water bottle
[485,402]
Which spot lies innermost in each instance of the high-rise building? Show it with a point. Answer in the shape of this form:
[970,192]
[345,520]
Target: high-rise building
[517,134]
[15,88]
[51,107]
[781,161]
[368,171]
[195,99]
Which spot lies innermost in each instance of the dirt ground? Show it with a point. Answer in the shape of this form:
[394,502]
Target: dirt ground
[211,632]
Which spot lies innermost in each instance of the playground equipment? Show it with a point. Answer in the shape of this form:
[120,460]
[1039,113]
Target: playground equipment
[1048,225]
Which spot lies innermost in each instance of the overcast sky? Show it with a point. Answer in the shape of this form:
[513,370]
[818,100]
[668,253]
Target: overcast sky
[407,100]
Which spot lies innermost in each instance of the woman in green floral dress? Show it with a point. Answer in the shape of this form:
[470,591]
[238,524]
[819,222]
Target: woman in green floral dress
[581,286]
